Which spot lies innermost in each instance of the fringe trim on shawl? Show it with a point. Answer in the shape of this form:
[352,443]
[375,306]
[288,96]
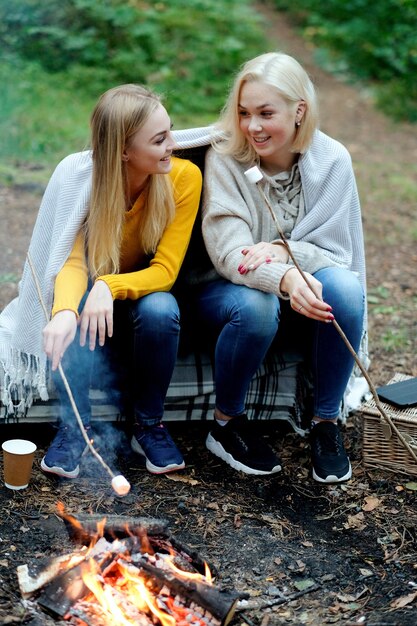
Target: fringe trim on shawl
[24,380]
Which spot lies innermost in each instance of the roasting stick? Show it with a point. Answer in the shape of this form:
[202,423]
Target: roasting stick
[254,175]
[119,483]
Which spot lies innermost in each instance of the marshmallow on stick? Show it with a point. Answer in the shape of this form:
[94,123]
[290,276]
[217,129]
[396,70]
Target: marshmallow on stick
[254,175]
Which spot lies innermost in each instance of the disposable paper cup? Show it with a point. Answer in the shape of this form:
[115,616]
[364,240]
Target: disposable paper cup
[18,455]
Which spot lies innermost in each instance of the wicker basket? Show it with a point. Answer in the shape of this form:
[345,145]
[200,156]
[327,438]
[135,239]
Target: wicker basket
[381,449]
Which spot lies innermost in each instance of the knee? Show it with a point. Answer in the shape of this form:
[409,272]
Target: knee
[158,310]
[258,312]
[343,291]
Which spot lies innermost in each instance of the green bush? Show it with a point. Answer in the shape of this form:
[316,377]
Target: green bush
[377,41]
[186,47]
[59,55]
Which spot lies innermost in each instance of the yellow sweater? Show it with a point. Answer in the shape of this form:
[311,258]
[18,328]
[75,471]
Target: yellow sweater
[137,277]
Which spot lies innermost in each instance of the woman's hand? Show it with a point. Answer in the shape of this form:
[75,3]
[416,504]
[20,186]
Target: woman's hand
[97,315]
[58,334]
[262,252]
[302,298]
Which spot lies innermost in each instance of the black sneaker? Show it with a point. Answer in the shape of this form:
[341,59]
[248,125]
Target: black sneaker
[236,444]
[65,452]
[156,445]
[328,455]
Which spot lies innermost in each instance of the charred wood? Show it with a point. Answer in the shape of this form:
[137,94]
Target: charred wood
[220,604]
[84,528]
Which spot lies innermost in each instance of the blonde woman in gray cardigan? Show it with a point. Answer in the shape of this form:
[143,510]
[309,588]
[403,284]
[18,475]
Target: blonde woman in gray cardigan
[270,120]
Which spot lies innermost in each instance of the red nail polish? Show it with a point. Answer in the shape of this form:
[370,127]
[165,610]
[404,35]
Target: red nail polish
[330,317]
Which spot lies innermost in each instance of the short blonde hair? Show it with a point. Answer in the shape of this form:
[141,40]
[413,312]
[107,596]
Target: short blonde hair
[284,74]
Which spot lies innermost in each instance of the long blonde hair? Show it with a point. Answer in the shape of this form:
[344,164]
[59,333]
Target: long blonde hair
[284,74]
[119,113]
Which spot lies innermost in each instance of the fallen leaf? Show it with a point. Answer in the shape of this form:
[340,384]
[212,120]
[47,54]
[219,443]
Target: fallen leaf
[182,479]
[4,563]
[398,603]
[347,598]
[411,486]
[304,584]
[307,544]
[355,521]
[298,566]
[237,522]
[399,488]
[371,503]
[365,572]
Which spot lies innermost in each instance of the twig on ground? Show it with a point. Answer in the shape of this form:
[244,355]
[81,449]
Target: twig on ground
[247,605]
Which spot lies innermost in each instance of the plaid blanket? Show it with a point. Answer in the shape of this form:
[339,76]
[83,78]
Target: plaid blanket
[279,390]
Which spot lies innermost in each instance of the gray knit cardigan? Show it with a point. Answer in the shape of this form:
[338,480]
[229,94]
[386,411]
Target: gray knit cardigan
[328,233]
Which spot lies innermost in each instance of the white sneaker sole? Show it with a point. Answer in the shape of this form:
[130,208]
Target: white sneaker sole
[59,471]
[216,448]
[154,469]
[332,478]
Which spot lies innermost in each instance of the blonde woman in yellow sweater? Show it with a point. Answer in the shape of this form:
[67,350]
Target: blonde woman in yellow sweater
[126,235]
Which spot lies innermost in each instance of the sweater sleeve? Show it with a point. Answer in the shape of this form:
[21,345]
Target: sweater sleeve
[71,282]
[232,221]
[164,267]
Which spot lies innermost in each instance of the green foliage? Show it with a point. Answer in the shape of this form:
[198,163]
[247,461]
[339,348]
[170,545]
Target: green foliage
[182,47]
[60,55]
[376,41]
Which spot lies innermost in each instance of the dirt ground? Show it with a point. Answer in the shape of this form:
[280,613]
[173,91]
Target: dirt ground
[304,554]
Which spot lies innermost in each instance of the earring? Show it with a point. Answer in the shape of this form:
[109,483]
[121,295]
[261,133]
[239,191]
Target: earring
[297,123]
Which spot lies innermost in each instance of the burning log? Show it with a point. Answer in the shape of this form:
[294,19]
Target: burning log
[62,592]
[32,577]
[83,529]
[128,577]
[64,589]
[219,603]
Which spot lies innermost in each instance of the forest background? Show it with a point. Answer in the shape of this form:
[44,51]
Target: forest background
[58,56]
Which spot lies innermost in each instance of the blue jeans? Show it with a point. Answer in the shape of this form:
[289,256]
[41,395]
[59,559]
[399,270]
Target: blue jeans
[139,359]
[246,322]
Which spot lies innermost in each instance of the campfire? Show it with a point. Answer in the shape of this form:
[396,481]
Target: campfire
[126,572]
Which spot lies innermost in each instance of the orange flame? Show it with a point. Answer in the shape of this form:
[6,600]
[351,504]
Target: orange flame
[135,594]
[122,592]
[206,577]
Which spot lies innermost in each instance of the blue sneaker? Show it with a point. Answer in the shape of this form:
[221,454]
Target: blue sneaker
[156,445]
[65,452]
